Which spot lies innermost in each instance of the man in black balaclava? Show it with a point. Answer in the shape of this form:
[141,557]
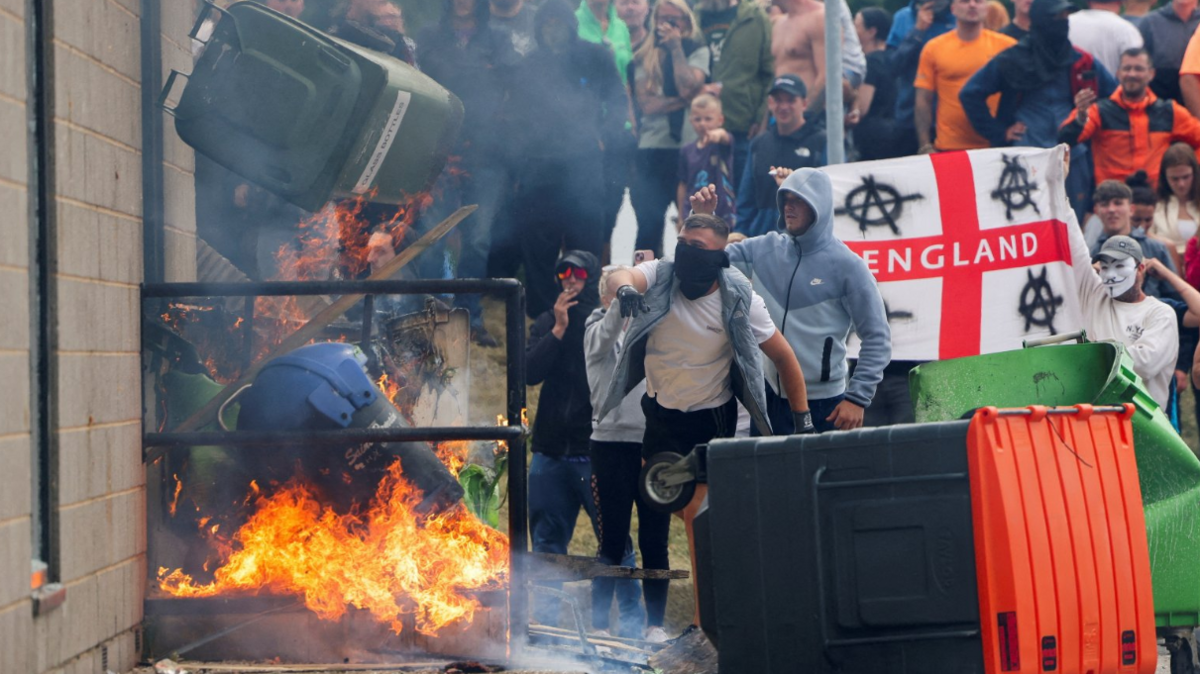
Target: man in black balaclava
[567,105]
[1038,79]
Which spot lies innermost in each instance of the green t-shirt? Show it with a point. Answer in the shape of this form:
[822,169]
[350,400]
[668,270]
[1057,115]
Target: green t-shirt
[616,39]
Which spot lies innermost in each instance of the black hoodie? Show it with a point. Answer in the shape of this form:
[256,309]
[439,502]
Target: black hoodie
[562,425]
[565,106]
[477,68]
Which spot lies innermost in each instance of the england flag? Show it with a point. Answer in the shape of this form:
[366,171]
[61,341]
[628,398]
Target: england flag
[972,250]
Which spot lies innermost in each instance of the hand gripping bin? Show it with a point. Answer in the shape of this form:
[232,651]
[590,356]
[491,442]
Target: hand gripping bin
[308,116]
[857,551]
[1097,373]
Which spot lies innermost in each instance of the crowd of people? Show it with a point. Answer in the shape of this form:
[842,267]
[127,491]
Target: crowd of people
[714,110]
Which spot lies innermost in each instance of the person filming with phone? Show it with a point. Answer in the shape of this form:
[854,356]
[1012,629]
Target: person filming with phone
[1132,129]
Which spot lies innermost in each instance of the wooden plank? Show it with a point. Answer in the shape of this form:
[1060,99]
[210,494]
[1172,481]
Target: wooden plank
[545,566]
[632,645]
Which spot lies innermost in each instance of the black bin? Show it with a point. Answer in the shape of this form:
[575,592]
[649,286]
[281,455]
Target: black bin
[844,552]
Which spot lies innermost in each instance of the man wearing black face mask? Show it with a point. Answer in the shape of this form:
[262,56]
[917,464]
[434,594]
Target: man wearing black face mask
[697,337]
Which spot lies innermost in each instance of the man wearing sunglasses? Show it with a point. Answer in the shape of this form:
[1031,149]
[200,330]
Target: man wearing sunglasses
[560,473]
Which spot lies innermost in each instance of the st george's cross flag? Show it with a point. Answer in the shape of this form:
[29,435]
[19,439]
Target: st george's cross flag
[971,250]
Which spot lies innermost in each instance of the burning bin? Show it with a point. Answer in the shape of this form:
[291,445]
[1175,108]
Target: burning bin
[308,116]
[1093,373]
[913,549]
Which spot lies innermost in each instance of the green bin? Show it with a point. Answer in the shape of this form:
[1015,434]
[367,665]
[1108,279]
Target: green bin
[308,116]
[1098,373]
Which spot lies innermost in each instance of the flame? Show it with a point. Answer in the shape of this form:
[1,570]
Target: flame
[453,454]
[387,560]
[175,499]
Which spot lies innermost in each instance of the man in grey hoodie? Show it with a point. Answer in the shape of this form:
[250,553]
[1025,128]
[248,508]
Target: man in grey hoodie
[816,290]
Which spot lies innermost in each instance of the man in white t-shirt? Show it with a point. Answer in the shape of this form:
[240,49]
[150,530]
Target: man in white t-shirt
[698,334]
[689,351]
[1115,308]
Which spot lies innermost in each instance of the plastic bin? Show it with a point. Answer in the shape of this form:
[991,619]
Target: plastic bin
[308,116]
[908,550]
[843,552]
[1096,373]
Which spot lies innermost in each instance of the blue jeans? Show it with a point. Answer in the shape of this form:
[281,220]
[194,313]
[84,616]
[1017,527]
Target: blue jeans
[779,413]
[557,489]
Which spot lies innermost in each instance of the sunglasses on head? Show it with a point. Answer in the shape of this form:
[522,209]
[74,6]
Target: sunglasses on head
[578,272]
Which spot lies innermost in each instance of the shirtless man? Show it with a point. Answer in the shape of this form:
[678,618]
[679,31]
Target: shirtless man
[798,42]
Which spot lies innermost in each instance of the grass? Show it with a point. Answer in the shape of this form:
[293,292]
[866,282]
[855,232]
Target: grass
[487,400]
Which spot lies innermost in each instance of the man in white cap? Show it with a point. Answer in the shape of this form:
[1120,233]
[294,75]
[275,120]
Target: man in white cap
[1115,308]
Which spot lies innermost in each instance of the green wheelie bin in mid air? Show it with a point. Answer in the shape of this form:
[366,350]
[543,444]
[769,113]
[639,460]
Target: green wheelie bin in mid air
[1098,373]
[308,116]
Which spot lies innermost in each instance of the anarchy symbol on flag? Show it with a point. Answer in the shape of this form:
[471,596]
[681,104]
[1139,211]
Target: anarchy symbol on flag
[973,244]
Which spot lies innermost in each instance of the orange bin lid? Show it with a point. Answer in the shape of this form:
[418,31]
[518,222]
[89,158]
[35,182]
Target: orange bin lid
[1060,541]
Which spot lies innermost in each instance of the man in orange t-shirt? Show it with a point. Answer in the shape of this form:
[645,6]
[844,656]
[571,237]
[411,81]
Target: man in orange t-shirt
[947,62]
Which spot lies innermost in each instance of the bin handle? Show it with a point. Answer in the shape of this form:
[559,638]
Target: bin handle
[202,18]
[162,97]
[1080,336]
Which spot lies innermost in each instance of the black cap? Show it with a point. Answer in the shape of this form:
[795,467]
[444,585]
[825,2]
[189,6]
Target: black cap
[1043,8]
[791,84]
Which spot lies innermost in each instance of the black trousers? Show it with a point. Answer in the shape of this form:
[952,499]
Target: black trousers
[616,466]
[670,430]
[656,177]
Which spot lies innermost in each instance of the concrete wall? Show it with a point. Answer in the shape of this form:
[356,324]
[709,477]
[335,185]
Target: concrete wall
[98,218]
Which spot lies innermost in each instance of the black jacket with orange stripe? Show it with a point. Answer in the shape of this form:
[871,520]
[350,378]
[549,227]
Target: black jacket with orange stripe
[1128,136]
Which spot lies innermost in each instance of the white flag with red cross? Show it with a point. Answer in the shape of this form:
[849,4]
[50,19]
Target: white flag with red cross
[970,249]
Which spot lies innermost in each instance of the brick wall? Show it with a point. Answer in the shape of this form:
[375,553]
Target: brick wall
[97,167]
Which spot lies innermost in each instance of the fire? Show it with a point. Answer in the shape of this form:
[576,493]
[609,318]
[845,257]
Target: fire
[387,560]
[453,454]
[175,499]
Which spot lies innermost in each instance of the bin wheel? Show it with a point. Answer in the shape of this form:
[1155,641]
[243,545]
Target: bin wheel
[658,494]
[1181,655]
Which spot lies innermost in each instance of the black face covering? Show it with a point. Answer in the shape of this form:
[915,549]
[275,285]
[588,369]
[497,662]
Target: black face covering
[1043,55]
[697,269]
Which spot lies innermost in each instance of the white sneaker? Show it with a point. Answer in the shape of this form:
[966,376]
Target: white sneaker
[656,635]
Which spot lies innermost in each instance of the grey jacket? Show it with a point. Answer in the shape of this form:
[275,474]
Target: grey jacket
[628,423]
[817,290]
[746,373]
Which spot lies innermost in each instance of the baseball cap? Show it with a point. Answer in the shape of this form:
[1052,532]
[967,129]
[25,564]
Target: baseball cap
[1120,248]
[791,84]
[1043,8]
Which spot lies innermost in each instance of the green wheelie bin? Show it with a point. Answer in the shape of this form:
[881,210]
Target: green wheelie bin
[1098,373]
[308,116]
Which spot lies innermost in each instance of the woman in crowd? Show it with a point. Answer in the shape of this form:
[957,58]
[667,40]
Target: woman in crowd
[1178,210]
[669,69]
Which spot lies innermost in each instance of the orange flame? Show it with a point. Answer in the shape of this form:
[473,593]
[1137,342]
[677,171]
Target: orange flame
[388,560]
[175,499]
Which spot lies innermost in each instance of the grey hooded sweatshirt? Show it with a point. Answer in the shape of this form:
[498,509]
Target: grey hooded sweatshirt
[817,290]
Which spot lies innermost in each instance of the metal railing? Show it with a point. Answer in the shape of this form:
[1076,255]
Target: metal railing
[513,431]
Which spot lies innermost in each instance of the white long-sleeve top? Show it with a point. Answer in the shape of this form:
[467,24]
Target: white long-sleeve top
[601,346]
[1147,328]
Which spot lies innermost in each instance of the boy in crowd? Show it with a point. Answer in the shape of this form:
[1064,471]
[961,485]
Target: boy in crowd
[708,161]
[790,143]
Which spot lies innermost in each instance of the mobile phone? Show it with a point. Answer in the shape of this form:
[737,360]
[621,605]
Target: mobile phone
[1087,80]
[640,256]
